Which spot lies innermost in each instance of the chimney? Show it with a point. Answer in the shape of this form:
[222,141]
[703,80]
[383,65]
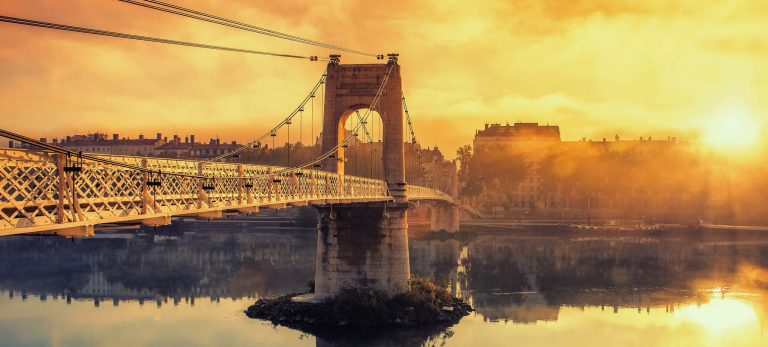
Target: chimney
[141,136]
[159,136]
[115,137]
[192,139]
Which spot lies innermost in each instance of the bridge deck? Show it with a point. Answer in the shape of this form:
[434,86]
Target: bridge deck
[38,196]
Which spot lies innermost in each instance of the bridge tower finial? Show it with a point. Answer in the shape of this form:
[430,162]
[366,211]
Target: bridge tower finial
[335,59]
[392,58]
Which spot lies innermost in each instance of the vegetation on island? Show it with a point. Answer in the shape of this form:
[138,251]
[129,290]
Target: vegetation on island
[423,304]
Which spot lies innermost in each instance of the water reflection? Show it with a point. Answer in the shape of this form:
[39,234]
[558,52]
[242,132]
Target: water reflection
[225,264]
[528,278]
[708,285]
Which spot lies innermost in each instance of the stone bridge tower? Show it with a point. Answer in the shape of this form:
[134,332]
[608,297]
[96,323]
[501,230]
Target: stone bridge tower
[350,87]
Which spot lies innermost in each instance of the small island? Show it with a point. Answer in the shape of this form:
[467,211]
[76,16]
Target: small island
[424,304]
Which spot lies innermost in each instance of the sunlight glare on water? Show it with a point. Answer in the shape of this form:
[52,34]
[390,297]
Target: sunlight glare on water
[722,316]
[527,290]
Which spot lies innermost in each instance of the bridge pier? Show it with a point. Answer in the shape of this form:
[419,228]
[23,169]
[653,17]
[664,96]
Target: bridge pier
[362,247]
[444,218]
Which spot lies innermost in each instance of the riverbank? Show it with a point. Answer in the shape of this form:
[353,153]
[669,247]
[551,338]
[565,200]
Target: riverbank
[513,225]
[423,305]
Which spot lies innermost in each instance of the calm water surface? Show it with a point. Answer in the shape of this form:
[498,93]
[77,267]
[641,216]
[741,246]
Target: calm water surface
[528,288]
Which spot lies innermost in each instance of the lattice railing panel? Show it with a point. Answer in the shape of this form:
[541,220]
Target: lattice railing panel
[424,193]
[28,189]
[106,192]
[35,192]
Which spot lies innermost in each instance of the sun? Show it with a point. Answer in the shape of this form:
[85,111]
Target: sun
[732,130]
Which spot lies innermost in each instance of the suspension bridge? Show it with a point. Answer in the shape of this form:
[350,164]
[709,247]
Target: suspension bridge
[362,229]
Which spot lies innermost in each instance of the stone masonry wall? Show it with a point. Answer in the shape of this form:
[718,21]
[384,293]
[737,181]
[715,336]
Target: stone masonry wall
[362,247]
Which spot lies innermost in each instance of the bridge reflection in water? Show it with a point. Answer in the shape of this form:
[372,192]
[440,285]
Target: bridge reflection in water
[510,279]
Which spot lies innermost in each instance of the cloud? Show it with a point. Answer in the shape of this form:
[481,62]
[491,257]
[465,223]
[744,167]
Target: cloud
[643,67]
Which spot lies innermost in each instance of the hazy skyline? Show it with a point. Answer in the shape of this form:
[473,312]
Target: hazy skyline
[596,68]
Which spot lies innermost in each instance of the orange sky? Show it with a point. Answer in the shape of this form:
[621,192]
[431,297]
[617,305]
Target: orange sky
[595,67]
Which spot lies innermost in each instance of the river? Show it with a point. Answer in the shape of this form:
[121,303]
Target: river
[190,287]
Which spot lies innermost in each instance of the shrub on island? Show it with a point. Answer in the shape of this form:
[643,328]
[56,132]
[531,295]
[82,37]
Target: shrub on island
[423,304]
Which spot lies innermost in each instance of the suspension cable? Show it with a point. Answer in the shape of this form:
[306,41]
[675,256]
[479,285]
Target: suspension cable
[346,139]
[186,12]
[312,120]
[273,147]
[301,126]
[63,27]
[288,143]
[375,147]
[429,180]
[365,127]
[370,142]
[272,133]
[93,158]
[370,159]
[381,153]
[287,119]
[408,119]
[333,150]
[354,145]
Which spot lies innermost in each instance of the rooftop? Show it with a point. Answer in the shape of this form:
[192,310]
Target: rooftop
[521,131]
[200,146]
[121,142]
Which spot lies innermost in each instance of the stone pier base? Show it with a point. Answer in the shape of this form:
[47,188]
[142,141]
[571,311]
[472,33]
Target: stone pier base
[444,217]
[362,247]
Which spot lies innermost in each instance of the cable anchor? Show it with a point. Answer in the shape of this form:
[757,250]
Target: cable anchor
[209,183]
[74,166]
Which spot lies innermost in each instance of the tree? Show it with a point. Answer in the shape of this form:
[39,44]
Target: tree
[464,155]
[495,170]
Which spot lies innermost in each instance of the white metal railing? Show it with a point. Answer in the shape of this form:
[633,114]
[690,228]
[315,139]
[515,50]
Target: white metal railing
[37,194]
